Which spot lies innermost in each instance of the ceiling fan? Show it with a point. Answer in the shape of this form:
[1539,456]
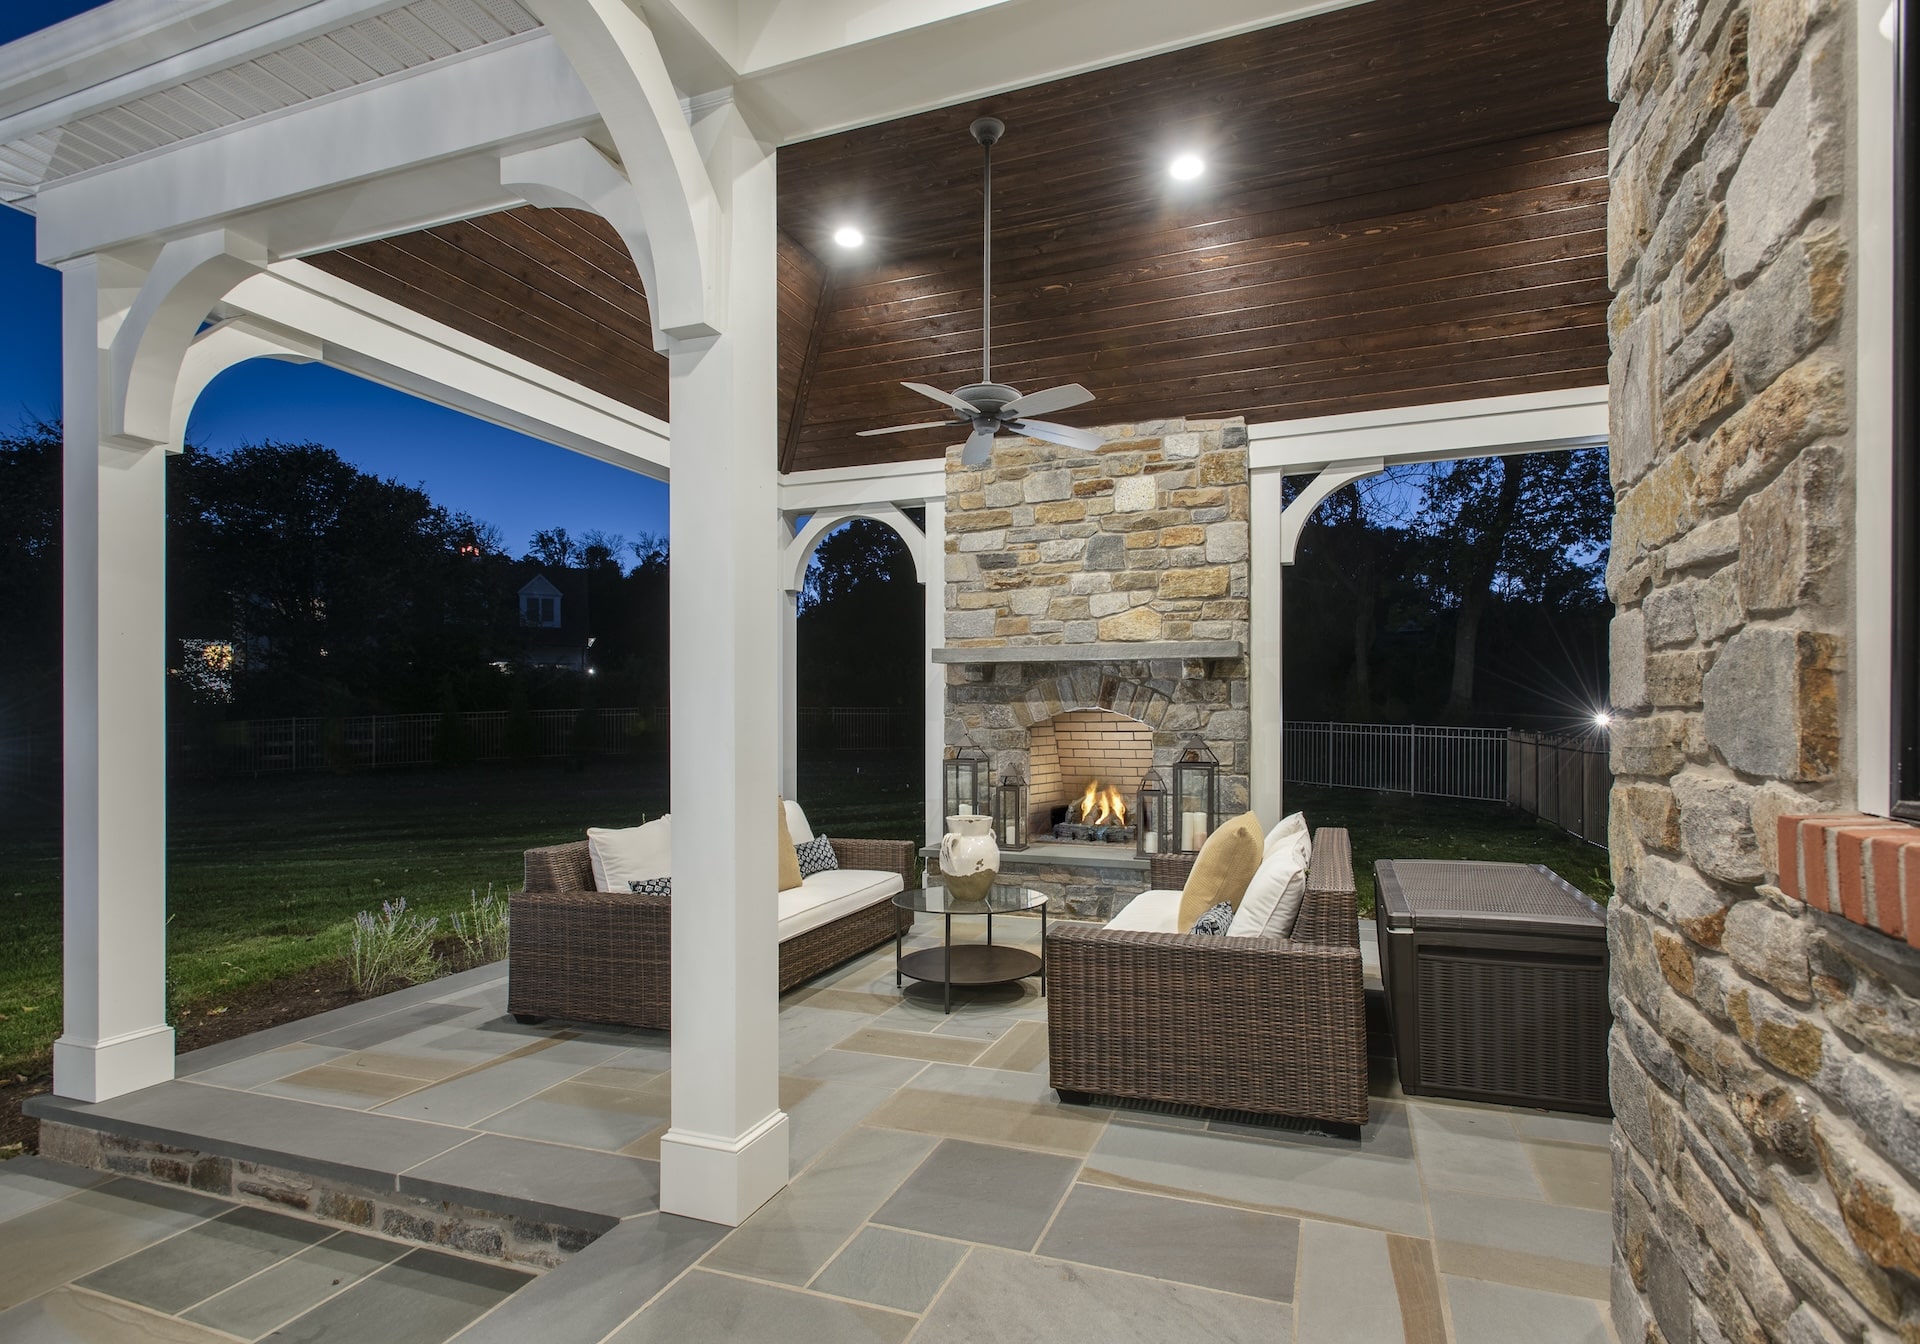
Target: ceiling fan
[986,405]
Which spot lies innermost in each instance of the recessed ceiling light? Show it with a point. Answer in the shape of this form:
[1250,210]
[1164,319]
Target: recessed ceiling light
[1186,167]
[848,236]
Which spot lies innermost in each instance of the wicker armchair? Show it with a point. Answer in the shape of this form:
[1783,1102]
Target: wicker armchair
[1275,1026]
[599,956]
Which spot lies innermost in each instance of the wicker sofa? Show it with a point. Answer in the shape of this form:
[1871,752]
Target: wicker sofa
[1275,1026]
[597,956]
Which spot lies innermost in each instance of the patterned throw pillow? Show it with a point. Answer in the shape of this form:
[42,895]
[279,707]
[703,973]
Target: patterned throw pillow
[816,856]
[1217,920]
[651,886]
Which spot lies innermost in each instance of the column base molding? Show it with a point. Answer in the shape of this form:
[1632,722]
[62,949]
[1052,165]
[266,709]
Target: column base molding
[102,1070]
[723,1180]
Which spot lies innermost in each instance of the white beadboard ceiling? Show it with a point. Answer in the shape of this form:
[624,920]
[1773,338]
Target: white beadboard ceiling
[404,38]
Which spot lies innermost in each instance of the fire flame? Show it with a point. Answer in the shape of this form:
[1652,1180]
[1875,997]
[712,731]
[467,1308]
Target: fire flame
[1101,805]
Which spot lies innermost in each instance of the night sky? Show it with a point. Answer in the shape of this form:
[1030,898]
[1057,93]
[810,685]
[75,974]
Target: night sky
[516,483]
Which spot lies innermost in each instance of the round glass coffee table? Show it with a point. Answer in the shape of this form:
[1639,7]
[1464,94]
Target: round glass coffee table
[987,963]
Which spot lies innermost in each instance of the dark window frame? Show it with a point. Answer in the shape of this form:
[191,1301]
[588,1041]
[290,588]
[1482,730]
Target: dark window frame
[1906,431]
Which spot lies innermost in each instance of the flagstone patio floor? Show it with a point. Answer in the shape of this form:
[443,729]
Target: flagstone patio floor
[941,1193]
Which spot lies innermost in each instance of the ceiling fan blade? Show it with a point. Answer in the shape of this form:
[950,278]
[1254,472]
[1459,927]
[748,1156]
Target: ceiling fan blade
[902,429]
[1048,399]
[1083,439]
[945,399]
[979,448]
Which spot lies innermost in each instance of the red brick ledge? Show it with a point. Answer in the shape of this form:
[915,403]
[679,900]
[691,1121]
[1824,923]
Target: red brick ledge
[1865,869]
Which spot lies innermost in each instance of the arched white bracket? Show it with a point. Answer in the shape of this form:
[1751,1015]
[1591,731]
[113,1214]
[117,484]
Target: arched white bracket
[799,552]
[231,341]
[185,281]
[613,51]
[575,175]
[1294,517]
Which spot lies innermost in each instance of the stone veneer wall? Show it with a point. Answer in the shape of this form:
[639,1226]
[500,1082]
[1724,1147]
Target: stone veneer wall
[1766,1052]
[1144,541]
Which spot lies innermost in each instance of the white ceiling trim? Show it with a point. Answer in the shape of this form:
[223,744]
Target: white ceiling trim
[112,124]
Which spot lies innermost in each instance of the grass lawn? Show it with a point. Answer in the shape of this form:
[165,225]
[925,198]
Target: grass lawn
[264,876]
[1396,826]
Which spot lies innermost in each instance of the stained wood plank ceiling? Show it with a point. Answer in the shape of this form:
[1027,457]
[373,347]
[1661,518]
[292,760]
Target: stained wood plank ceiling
[1404,202]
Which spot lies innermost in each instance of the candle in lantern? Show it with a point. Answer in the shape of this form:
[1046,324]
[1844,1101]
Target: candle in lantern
[1009,831]
[1152,839]
[1193,830]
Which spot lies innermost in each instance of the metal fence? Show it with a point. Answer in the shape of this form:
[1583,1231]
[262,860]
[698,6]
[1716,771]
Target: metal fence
[387,741]
[842,729]
[1398,758]
[393,741]
[1560,780]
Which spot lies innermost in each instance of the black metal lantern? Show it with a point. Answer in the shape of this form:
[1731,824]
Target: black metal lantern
[1196,791]
[1152,818]
[967,783]
[1010,811]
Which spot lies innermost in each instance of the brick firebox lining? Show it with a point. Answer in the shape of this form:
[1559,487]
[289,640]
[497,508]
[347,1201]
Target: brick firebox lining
[1862,868]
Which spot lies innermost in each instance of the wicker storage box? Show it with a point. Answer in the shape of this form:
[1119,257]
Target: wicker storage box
[1496,980]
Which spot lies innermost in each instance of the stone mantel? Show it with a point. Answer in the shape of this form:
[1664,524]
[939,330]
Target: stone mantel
[1103,652]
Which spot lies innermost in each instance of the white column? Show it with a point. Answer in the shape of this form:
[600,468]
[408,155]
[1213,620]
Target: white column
[116,1039]
[726,1152]
[788,618]
[1264,673]
[934,569]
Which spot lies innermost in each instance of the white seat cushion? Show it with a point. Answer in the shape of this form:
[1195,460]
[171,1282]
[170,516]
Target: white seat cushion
[1150,912]
[827,896]
[630,854]
[797,829]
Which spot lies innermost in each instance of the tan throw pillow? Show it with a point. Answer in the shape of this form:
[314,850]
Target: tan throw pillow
[1226,864]
[789,861]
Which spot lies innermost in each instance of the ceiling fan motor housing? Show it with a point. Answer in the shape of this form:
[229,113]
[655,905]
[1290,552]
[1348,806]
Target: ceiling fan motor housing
[988,397]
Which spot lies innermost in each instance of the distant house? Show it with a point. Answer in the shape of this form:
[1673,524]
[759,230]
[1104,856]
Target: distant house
[553,618]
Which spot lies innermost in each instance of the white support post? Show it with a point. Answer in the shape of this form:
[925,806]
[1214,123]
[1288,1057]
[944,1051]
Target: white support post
[1264,671]
[933,574]
[787,616]
[116,1038]
[726,1152]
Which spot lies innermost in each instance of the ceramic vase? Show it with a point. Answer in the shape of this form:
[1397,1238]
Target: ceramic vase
[969,857]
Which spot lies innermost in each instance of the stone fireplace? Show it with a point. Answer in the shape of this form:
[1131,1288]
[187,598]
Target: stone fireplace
[1096,627]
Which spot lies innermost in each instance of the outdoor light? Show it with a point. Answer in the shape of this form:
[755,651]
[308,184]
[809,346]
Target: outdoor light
[966,783]
[1196,778]
[1010,811]
[1186,167]
[1602,719]
[848,236]
[1152,818]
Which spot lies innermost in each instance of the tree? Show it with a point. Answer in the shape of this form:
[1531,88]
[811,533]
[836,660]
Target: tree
[861,614]
[342,591]
[1533,528]
[30,558]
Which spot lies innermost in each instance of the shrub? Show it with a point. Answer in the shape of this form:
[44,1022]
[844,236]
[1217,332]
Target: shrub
[393,947]
[482,928]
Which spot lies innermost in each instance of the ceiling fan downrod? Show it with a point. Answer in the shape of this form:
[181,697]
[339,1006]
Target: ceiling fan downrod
[987,130]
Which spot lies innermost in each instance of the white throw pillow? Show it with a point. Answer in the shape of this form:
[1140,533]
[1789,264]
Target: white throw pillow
[797,827]
[1272,885]
[631,854]
[1290,828]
